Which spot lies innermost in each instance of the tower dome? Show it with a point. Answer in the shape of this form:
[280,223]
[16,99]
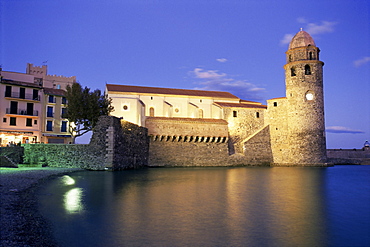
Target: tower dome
[302,38]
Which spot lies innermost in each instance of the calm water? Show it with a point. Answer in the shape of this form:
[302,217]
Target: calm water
[280,206]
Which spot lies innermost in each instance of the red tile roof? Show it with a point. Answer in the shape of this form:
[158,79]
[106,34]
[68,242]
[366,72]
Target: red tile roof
[172,91]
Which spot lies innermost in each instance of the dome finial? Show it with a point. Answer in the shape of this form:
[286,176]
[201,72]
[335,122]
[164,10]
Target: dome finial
[301,28]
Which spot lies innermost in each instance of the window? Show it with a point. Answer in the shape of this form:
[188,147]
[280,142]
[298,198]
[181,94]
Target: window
[29,122]
[307,69]
[30,109]
[35,94]
[8,91]
[13,121]
[49,112]
[51,99]
[257,115]
[64,100]
[151,98]
[125,107]
[35,121]
[275,104]
[4,120]
[235,113]
[13,107]
[310,56]
[64,112]
[63,128]
[49,125]
[151,112]
[292,72]
[22,93]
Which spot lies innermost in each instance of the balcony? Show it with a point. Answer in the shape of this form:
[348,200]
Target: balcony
[17,95]
[23,112]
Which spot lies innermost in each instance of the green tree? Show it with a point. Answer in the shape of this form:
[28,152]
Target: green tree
[84,108]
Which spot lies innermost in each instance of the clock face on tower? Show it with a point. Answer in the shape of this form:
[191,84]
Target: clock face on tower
[309,96]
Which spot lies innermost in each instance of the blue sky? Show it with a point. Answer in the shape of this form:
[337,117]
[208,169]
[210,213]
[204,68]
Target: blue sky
[231,45]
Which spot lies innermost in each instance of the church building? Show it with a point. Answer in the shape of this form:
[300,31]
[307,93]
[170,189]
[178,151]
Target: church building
[217,128]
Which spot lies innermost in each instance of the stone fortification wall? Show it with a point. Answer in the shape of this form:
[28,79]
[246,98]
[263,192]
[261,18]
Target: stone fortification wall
[190,127]
[257,148]
[64,155]
[187,141]
[113,145]
[242,123]
[180,153]
[123,144]
[276,118]
[349,156]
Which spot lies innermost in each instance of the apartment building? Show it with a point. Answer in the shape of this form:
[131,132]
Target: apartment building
[25,105]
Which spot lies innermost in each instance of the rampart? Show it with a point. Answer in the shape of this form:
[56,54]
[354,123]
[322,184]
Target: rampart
[187,142]
[115,145]
[123,144]
[349,156]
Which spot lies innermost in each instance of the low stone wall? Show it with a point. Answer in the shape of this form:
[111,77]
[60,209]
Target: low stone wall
[11,156]
[348,156]
[114,145]
[64,155]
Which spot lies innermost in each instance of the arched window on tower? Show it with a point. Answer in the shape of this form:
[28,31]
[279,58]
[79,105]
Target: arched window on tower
[310,56]
[292,72]
[307,69]
[151,112]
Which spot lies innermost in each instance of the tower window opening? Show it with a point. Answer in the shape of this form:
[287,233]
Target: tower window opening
[235,114]
[290,58]
[292,72]
[257,115]
[307,69]
[275,104]
[151,112]
[310,56]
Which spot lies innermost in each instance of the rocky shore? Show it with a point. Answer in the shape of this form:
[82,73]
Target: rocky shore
[20,222]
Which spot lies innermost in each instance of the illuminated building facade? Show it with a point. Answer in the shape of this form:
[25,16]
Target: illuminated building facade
[24,106]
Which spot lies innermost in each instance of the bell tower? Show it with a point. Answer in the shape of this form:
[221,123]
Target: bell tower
[305,102]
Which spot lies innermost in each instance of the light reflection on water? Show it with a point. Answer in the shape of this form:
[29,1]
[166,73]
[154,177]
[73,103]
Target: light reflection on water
[212,207]
[73,201]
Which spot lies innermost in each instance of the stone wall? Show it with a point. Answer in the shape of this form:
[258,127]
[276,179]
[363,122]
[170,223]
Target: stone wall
[114,145]
[242,123]
[257,148]
[187,141]
[123,144]
[11,156]
[180,153]
[349,156]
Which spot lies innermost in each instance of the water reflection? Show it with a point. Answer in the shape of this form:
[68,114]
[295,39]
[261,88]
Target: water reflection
[67,180]
[211,207]
[73,201]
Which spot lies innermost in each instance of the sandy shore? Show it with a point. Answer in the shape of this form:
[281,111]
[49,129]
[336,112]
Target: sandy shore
[20,222]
